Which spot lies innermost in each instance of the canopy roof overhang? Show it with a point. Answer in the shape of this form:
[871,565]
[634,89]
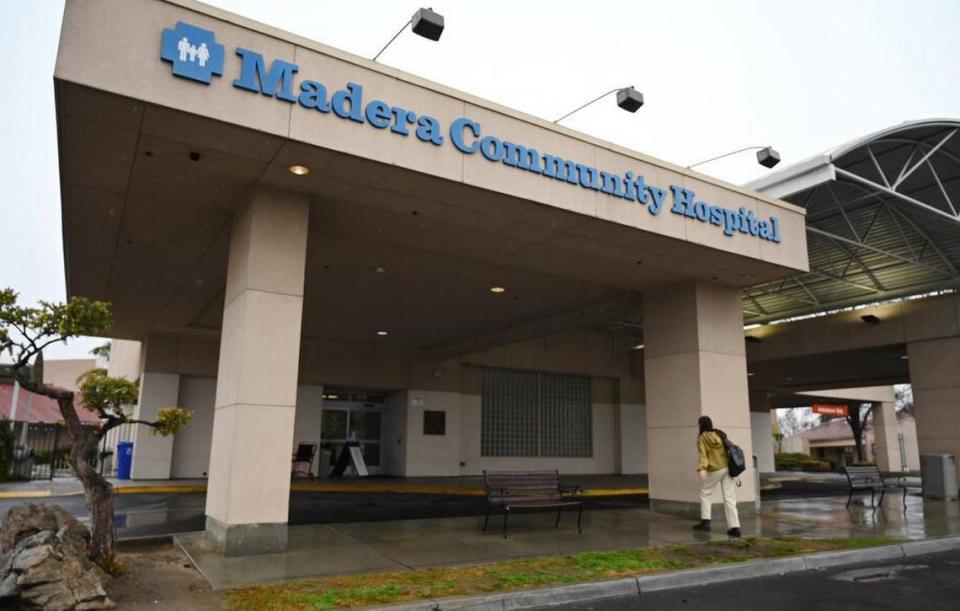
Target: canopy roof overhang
[883,221]
[153,168]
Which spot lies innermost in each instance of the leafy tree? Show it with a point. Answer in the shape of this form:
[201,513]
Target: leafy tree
[25,332]
[103,351]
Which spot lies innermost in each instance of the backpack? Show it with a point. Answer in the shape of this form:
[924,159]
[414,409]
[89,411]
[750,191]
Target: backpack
[736,461]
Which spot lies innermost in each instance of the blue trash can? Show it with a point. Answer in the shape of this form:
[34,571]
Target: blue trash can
[124,459]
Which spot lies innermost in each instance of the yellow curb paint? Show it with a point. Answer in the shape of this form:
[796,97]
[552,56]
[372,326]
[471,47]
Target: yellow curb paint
[322,487]
[448,490]
[30,494]
[159,489]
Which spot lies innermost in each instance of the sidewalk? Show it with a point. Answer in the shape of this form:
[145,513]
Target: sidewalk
[410,544]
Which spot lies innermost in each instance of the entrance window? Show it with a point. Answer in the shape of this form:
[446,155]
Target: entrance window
[353,415]
[535,414]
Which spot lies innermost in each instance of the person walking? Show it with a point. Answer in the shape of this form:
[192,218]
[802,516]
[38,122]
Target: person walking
[712,467]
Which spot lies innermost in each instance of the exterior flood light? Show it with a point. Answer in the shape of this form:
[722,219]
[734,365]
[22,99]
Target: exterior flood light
[870,319]
[628,99]
[631,100]
[428,24]
[766,156]
[425,22]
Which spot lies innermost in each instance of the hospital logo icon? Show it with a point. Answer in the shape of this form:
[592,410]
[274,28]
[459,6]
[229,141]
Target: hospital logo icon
[193,51]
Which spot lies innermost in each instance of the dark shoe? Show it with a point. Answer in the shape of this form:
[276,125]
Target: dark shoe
[703,525]
[734,532]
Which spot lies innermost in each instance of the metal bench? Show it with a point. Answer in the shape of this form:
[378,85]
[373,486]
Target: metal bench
[869,478]
[529,490]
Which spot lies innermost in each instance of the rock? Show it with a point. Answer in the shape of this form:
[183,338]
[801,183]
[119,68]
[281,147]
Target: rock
[44,563]
[44,537]
[32,557]
[23,521]
[9,592]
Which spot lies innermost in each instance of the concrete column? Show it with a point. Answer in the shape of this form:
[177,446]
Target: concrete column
[762,438]
[694,365]
[886,444]
[248,491]
[159,387]
[935,377]
[152,454]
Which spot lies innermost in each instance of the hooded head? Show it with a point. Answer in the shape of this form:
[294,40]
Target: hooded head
[705,423]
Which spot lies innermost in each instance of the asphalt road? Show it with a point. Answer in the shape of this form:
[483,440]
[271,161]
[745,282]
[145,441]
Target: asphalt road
[930,583]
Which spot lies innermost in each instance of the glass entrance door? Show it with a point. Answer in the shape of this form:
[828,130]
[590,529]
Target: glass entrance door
[350,414]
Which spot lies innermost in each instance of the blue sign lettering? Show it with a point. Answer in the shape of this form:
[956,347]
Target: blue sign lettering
[195,55]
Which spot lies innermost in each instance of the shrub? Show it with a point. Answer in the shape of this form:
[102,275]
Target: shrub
[815,465]
[790,461]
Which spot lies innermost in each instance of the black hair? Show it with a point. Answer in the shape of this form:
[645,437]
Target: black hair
[705,423]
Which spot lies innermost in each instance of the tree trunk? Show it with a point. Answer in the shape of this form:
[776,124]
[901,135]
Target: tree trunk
[858,441]
[96,489]
[83,458]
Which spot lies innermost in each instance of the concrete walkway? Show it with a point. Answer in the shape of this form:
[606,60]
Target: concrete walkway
[331,549]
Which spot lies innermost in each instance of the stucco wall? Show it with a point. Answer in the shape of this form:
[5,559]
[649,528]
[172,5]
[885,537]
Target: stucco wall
[633,438]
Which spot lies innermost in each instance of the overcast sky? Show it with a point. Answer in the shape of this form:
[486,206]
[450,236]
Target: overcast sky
[716,76]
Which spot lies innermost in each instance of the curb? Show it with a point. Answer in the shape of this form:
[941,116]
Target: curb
[636,586]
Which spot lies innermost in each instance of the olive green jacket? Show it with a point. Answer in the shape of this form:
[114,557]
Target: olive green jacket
[712,454]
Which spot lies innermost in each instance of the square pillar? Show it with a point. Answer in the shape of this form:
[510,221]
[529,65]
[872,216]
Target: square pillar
[694,365]
[248,491]
[159,387]
[935,378]
[885,440]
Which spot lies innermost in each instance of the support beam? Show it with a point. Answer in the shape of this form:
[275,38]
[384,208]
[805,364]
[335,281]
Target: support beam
[935,378]
[885,440]
[248,492]
[159,387]
[695,365]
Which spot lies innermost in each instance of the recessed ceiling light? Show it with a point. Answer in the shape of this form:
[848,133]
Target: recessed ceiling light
[299,170]
[497,289]
[381,332]
[380,269]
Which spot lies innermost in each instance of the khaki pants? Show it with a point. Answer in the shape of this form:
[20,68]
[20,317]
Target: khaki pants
[729,496]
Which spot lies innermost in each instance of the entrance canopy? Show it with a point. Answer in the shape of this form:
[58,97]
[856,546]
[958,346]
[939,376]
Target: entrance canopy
[422,198]
[883,221]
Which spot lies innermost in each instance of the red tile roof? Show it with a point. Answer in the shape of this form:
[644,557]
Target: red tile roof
[42,409]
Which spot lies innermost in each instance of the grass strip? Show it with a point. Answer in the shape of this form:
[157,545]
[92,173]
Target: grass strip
[440,582]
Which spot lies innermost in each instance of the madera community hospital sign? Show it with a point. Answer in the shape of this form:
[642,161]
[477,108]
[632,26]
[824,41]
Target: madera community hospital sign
[196,55]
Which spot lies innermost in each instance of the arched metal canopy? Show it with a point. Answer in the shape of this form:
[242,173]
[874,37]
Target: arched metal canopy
[882,221]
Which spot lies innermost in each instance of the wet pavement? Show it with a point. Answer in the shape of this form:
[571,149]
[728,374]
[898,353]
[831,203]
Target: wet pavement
[164,514]
[352,547]
[925,582]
